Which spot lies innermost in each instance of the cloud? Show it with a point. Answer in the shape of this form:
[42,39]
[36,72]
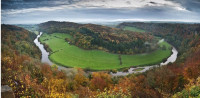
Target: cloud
[129,4]
[32,11]
[191,5]
[52,5]
[17,11]
[24,4]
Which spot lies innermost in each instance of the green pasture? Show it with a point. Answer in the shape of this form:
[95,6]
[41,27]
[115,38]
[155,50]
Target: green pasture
[133,29]
[71,56]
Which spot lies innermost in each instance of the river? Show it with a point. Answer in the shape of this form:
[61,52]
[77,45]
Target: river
[45,54]
[45,59]
[171,59]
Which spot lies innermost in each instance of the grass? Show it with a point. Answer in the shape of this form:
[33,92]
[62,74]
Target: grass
[133,29]
[71,56]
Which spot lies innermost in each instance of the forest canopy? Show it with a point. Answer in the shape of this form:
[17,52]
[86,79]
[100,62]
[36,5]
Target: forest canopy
[28,77]
[92,36]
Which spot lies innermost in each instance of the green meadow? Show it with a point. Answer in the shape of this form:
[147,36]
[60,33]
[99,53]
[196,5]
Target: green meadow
[133,29]
[72,56]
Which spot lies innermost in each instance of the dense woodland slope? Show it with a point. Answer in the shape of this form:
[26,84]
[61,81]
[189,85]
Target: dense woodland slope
[22,70]
[18,40]
[91,36]
[182,36]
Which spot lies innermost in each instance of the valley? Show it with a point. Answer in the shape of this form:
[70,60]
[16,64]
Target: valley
[100,49]
[37,65]
[64,53]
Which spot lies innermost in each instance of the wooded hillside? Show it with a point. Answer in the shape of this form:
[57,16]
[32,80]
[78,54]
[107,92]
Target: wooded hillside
[22,71]
[92,36]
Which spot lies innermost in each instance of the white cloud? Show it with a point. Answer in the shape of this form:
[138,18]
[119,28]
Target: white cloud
[33,9]
[118,4]
[128,4]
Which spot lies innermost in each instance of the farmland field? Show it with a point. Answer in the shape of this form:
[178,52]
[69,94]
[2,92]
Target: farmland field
[134,29]
[72,56]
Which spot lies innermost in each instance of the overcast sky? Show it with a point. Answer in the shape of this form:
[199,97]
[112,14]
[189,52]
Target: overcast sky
[90,11]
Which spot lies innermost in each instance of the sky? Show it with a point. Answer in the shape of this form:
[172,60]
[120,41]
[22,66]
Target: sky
[98,11]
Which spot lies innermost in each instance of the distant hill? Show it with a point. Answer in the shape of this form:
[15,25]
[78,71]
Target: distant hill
[182,36]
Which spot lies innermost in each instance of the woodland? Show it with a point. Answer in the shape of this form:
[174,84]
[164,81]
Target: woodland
[23,71]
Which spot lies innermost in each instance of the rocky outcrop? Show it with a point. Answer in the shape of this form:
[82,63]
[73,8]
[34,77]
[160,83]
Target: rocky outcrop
[7,92]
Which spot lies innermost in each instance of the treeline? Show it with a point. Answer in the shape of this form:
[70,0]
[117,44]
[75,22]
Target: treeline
[18,40]
[90,36]
[88,39]
[186,38]
[29,78]
[182,36]
[61,27]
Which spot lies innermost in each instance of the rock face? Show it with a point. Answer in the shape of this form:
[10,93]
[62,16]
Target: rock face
[6,92]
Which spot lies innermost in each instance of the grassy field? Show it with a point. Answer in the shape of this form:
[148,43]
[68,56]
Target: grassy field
[72,56]
[133,29]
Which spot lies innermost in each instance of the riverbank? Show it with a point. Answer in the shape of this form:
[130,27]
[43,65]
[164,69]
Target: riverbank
[45,59]
[171,59]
